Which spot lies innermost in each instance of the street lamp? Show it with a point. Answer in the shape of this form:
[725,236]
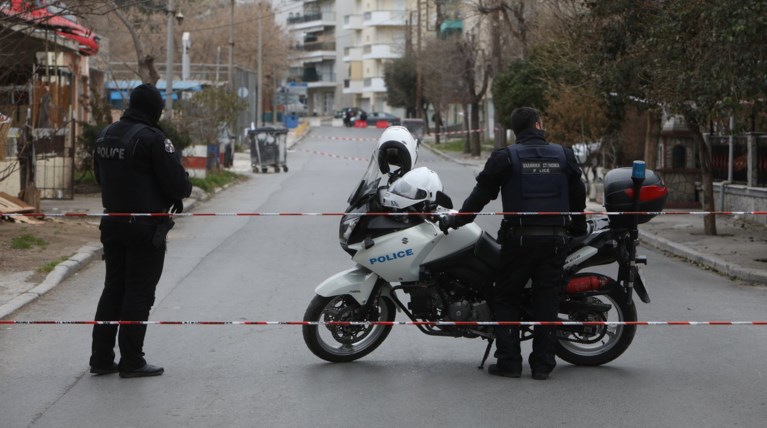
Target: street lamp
[178,16]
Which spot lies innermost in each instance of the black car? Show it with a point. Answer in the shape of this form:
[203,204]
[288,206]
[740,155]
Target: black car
[373,119]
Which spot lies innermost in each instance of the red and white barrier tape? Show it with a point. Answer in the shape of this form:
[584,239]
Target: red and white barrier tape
[316,214]
[352,158]
[462,132]
[328,137]
[400,323]
[315,152]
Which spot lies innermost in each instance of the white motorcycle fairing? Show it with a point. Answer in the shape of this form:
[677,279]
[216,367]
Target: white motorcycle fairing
[357,282]
[397,257]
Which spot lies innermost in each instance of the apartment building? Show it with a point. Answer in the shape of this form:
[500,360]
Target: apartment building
[341,47]
[317,46]
[378,30]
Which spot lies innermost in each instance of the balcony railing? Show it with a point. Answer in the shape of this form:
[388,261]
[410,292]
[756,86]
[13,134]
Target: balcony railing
[385,17]
[313,47]
[310,17]
[381,51]
[374,84]
[353,22]
[353,54]
[319,77]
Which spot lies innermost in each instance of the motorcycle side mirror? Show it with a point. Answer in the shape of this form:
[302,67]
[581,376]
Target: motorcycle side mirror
[443,200]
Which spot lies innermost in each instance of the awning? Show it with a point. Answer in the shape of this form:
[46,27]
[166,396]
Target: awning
[178,85]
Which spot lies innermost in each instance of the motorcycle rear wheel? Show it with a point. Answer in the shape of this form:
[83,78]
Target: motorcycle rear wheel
[610,341]
[340,344]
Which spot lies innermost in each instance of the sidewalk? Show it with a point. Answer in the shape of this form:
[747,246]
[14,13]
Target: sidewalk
[738,251]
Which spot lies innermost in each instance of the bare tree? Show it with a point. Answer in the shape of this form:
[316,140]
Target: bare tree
[459,75]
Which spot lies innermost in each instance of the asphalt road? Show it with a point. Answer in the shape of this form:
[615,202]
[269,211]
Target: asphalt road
[265,268]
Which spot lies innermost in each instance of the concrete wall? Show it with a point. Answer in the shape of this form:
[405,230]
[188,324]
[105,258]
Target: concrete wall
[742,198]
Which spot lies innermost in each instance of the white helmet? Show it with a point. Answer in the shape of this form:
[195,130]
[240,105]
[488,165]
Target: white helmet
[416,186]
[397,147]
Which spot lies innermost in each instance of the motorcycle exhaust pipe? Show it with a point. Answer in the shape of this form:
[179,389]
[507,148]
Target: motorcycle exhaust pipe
[580,284]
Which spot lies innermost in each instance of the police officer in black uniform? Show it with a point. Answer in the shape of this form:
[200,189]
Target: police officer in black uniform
[139,172]
[532,176]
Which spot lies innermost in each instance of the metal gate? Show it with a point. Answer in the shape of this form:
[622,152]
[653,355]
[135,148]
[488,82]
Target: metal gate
[54,154]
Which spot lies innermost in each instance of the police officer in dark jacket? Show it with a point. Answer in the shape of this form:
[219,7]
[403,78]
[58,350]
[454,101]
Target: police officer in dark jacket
[532,176]
[139,172]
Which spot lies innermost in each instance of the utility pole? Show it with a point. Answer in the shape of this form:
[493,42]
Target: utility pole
[231,48]
[178,16]
[418,88]
[499,134]
[169,61]
[259,99]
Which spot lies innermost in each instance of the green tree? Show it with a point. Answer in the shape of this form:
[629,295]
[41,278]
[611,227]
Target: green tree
[400,80]
[520,85]
[701,59]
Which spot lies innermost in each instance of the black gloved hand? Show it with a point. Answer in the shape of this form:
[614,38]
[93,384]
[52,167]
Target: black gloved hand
[177,207]
[447,222]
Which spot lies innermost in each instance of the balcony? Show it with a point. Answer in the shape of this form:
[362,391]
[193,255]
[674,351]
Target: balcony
[382,18]
[321,80]
[353,86]
[313,21]
[381,51]
[314,52]
[353,22]
[374,84]
[353,54]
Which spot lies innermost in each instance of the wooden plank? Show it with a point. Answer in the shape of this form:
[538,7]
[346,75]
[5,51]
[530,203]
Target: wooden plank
[27,220]
[10,204]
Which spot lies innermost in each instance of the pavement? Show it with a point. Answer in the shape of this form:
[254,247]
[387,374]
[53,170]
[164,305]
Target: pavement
[738,251]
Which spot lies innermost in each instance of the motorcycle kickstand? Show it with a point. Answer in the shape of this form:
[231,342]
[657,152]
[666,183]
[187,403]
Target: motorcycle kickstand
[487,353]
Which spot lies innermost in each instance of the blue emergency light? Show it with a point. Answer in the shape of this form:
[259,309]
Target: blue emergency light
[638,170]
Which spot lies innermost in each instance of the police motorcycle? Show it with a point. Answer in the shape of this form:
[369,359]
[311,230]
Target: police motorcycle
[404,262]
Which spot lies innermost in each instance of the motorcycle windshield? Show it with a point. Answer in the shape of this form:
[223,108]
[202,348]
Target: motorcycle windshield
[371,181]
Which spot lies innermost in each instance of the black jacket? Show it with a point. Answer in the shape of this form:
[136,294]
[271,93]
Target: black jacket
[141,175]
[496,171]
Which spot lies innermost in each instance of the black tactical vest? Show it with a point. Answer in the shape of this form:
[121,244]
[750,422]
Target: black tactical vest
[537,183]
[127,183]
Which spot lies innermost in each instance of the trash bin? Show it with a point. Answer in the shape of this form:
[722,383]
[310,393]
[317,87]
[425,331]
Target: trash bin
[291,121]
[213,158]
[268,147]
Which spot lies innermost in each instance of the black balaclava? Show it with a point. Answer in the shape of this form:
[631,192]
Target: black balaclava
[147,99]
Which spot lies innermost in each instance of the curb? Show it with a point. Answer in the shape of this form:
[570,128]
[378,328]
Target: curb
[731,270]
[446,156]
[61,272]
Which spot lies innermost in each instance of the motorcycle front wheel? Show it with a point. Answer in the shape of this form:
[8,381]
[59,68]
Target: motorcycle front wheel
[604,343]
[338,343]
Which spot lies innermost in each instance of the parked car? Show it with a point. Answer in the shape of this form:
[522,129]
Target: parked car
[54,16]
[374,117]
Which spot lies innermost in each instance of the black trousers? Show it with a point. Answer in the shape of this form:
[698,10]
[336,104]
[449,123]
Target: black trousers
[542,260]
[133,269]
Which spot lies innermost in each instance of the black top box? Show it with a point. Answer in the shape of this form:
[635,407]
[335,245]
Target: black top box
[619,196]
